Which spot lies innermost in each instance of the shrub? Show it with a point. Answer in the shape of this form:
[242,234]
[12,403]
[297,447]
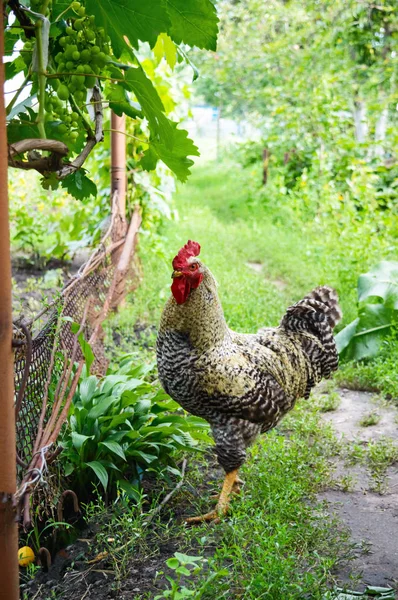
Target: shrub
[121,427]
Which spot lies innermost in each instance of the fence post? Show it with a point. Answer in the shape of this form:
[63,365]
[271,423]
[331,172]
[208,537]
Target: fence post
[118,160]
[8,526]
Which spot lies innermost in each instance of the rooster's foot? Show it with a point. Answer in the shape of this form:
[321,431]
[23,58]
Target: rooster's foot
[236,489]
[231,481]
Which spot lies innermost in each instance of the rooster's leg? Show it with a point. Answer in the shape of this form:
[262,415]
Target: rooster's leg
[223,502]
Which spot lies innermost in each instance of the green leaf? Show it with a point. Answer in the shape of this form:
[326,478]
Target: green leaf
[102,408]
[193,22]
[115,448]
[344,337]
[174,154]
[17,131]
[381,282]
[129,489]
[79,186]
[87,388]
[183,571]
[135,19]
[186,559]
[10,39]
[79,440]
[60,6]
[165,47]
[100,472]
[120,103]
[142,407]
[372,326]
[151,104]
[172,563]
[148,458]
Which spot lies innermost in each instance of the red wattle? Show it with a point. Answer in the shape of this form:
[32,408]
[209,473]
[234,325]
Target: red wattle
[180,289]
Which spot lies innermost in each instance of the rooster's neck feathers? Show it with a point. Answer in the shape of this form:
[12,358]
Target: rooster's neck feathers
[201,317]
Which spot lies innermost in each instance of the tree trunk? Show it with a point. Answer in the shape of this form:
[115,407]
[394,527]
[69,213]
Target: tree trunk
[380,133]
[360,120]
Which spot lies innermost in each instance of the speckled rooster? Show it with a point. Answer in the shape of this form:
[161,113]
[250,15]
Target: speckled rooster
[242,384]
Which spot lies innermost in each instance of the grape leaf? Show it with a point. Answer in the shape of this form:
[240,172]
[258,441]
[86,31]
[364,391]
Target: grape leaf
[175,157]
[135,19]
[151,105]
[165,47]
[193,22]
[12,68]
[120,103]
[50,181]
[79,186]
[61,6]
[10,39]
[16,131]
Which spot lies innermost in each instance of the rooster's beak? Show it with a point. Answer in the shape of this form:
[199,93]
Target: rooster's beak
[176,274]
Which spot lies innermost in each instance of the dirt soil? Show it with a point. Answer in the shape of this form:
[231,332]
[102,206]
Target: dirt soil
[371,517]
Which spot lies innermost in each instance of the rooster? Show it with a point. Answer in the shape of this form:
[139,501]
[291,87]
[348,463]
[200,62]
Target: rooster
[242,384]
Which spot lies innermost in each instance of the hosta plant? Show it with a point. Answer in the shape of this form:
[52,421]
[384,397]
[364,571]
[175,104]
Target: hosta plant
[121,427]
[377,313]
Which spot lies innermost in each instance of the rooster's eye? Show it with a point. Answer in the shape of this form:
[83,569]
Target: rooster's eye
[193,267]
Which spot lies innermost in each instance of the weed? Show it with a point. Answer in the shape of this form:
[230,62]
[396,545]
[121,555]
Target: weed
[329,402]
[370,419]
[185,566]
[381,454]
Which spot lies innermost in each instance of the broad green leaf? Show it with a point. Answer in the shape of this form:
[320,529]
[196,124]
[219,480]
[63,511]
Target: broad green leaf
[87,388]
[193,22]
[10,39]
[382,282]
[79,440]
[151,105]
[145,456]
[174,155]
[120,102]
[100,472]
[344,337]
[129,489]
[79,186]
[142,407]
[115,448]
[17,131]
[373,325]
[101,408]
[135,19]
[61,6]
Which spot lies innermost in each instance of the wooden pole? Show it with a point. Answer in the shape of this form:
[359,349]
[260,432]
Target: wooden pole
[8,526]
[118,160]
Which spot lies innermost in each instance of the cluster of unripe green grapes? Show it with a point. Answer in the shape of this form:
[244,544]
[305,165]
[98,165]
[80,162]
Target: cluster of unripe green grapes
[83,53]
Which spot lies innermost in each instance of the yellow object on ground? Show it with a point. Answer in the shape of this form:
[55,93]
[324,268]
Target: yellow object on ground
[25,556]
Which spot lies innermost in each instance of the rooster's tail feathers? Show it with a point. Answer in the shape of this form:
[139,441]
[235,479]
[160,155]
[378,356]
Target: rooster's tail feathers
[317,313]
[328,300]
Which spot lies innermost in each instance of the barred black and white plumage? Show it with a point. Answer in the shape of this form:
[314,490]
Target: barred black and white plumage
[242,384]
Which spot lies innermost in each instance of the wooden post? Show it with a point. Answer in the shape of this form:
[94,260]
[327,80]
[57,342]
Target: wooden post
[118,160]
[8,526]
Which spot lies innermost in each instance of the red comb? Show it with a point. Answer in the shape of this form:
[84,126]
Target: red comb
[190,249]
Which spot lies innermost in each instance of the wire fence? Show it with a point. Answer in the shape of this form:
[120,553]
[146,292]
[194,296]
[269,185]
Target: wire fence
[48,363]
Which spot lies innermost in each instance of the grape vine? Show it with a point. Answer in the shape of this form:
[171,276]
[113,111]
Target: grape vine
[80,57]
